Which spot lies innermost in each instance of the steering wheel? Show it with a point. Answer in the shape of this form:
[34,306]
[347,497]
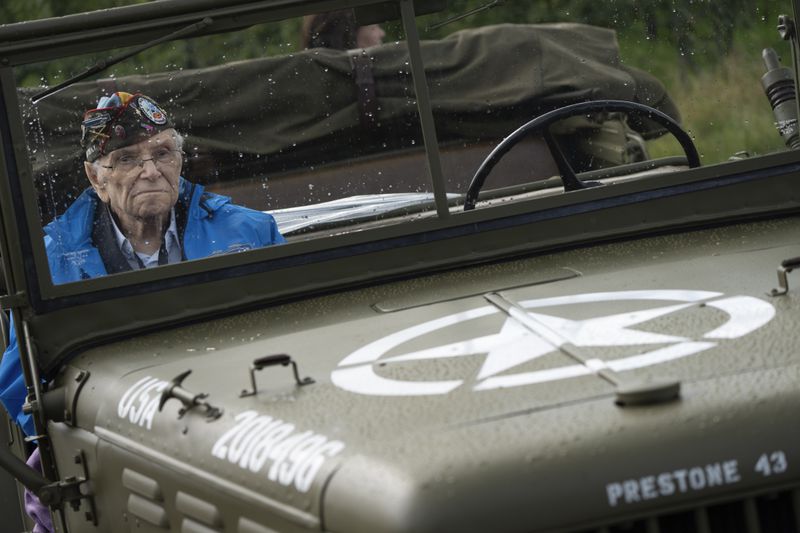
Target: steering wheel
[568,177]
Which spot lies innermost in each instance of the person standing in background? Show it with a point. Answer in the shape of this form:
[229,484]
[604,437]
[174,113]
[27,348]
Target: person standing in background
[339,30]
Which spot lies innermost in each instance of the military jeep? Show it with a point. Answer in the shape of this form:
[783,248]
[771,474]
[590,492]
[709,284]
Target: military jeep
[537,277]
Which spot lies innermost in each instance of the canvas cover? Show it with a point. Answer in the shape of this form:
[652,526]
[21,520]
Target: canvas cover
[303,109]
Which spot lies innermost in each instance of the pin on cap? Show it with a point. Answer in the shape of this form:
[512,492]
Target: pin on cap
[120,120]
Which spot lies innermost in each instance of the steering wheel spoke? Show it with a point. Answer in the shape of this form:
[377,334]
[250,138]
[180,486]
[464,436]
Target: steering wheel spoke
[568,177]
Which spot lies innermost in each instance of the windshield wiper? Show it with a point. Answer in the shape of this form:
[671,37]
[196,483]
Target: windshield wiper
[104,64]
[469,13]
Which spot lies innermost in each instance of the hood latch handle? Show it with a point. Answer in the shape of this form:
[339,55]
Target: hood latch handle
[272,360]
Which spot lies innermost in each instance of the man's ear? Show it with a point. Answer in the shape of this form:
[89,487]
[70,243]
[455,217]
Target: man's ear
[98,183]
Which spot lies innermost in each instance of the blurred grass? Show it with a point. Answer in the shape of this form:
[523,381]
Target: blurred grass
[720,98]
[724,109]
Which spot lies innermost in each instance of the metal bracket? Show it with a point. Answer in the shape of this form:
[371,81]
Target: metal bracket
[18,299]
[272,360]
[54,494]
[71,490]
[84,488]
[783,282]
[189,400]
[66,491]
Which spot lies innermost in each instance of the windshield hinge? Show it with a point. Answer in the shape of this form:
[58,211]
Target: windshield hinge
[628,392]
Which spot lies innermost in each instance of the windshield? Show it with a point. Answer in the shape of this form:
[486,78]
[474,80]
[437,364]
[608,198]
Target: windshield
[316,126]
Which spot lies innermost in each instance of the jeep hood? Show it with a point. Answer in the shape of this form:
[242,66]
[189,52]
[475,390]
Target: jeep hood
[435,409]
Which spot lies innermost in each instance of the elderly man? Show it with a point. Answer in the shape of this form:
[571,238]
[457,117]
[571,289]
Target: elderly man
[138,213]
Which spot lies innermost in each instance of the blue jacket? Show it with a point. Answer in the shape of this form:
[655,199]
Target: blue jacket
[211,226]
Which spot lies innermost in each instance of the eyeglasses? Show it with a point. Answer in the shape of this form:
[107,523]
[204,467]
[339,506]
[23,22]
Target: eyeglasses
[162,157]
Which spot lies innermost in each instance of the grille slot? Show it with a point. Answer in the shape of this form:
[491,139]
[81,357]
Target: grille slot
[146,500]
[777,512]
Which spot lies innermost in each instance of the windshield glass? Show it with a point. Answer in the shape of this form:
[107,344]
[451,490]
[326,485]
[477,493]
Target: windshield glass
[700,63]
[311,127]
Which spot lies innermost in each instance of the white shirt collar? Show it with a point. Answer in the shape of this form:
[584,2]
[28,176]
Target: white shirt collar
[170,239]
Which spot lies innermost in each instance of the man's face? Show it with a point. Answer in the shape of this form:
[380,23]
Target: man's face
[142,183]
[369,35]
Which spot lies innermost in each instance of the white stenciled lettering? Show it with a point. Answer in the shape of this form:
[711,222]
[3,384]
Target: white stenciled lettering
[769,464]
[281,452]
[731,471]
[614,493]
[287,470]
[149,411]
[714,475]
[680,477]
[148,405]
[666,486]
[648,485]
[779,462]
[244,438]
[265,426]
[307,471]
[275,440]
[681,480]
[220,448]
[261,450]
[140,402]
[266,444]
[631,490]
[697,478]
[126,402]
